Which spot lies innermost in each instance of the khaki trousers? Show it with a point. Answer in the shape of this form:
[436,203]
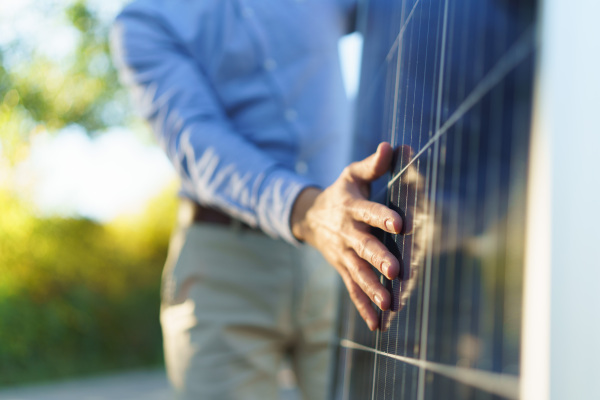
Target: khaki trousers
[234,303]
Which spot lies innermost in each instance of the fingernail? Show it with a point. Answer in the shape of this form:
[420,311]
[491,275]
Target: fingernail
[389,225]
[386,268]
[378,300]
[372,325]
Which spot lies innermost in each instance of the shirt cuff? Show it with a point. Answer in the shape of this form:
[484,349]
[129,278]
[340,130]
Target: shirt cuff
[280,189]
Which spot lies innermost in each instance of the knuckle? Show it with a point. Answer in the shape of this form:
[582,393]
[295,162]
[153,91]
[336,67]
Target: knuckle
[374,259]
[361,281]
[373,210]
[378,211]
[366,215]
[363,246]
[373,207]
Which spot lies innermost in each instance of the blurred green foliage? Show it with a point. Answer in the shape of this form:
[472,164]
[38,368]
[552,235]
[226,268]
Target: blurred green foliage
[76,296]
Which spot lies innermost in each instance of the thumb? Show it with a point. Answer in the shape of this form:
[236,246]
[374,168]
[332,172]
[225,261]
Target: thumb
[373,166]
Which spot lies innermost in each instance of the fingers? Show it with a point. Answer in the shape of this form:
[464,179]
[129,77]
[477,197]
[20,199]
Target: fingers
[376,215]
[373,166]
[362,274]
[362,302]
[371,250]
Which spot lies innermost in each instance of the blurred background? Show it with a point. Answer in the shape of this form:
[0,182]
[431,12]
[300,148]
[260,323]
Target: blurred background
[87,199]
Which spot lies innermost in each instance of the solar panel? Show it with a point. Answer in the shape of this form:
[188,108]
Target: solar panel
[450,84]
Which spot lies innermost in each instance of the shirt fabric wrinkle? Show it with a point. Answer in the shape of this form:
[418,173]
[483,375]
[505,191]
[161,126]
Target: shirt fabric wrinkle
[231,105]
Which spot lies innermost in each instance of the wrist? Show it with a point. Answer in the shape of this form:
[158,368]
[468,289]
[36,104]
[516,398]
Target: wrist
[302,205]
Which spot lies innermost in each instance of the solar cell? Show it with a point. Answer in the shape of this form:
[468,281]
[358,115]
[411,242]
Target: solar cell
[450,84]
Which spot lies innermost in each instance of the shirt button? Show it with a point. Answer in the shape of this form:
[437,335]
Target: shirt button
[247,12]
[270,64]
[301,167]
[291,114]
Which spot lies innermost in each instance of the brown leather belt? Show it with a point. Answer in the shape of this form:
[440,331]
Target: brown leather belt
[202,214]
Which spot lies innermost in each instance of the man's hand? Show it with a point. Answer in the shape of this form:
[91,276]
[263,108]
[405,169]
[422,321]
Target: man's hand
[337,221]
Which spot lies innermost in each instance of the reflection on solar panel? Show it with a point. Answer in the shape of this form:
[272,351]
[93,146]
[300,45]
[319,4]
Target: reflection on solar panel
[449,82]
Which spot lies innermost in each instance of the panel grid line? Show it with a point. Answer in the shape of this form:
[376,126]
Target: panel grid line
[388,57]
[427,283]
[401,33]
[504,385]
[375,368]
[512,59]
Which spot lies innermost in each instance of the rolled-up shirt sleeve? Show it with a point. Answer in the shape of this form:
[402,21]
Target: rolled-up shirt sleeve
[218,166]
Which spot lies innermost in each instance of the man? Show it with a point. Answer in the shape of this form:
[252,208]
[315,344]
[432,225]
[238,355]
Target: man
[246,98]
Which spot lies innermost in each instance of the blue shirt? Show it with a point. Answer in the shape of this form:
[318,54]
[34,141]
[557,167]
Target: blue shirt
[245,96]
